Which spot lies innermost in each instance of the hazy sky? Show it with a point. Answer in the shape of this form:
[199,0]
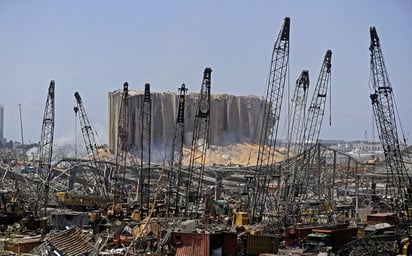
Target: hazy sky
[94,46]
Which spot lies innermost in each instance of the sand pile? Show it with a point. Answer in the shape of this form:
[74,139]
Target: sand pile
[234,154]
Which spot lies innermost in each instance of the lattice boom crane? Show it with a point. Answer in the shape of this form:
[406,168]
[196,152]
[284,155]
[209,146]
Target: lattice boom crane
[145,150]
[91,144]
[175,173]
[383,108]
[270,120]
[46,144]
[200,142]
[312,128]
[122,146]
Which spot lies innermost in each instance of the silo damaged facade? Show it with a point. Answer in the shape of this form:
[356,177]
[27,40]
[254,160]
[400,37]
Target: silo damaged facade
[234,119]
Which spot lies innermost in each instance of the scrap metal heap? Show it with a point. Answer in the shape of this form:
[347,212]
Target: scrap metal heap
[309,196]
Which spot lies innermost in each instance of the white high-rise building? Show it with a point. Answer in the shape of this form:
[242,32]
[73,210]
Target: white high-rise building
[1,124]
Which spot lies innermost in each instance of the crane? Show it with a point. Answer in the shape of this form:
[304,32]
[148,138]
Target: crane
[313,125]
[270,121]
[384,111]
[46,144]
[122,146]
[200,142]
[145,150]
[383,108]
[296,120]
[91,144]
[298,109]
[175,175]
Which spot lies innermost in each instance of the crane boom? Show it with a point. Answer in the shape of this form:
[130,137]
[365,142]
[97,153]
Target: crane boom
[383,108]
[145,150]
[270,119]
[122,146]
[382,101]
[46,143]
[298,110]
[90,142]
[312,128]
[87,129]
[200,143]
[296,124]
[317,106]
[175,174]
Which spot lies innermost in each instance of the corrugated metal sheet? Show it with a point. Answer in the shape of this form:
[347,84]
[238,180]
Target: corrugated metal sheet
[193,244]
[229,244]
[262,244]
[190,244]
[72,242]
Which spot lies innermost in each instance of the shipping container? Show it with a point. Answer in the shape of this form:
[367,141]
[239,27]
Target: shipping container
[221,243]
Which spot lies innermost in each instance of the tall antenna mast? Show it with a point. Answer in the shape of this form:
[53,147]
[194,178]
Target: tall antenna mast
[21,125]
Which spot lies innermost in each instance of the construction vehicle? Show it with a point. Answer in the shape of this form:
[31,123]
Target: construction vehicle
[398,189]
[11,210]
[100,192]
[175,175]
[46,145]
[78,201]
[298,112]
[101,174]
[382,100]
[384,112]
[296,126]
[122,145]
[302,175]
[145,149]
[270,116]
[200,143]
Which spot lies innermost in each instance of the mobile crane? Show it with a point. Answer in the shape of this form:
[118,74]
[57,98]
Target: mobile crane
[382,100]
[145,150]
[298,110]
[200,143]
[122,146]
[295,128]
[302,173]
[46,144]
[399,182]
[91,146]
[175,174]
[270,116]
[383,108]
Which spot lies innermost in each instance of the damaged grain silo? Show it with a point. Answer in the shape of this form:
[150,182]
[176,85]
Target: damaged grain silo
[234,119]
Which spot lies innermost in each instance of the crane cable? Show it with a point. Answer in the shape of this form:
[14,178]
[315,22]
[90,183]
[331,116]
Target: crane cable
[330,102]
[400,123]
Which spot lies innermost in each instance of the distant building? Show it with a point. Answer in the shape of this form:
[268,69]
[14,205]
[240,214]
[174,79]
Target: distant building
[2,140]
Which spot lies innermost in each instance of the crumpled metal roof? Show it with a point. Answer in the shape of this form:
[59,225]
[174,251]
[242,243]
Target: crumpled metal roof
[72,242]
